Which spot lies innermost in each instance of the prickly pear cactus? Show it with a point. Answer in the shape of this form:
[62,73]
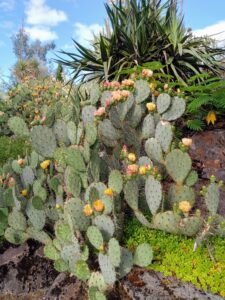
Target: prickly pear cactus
[88,164]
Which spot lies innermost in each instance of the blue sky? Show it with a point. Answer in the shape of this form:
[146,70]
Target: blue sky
[61,20]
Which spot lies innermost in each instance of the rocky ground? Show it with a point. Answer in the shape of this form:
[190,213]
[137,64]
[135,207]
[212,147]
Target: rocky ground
[25,274]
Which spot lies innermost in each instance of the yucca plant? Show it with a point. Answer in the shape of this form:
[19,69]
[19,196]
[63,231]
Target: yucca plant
[138,32]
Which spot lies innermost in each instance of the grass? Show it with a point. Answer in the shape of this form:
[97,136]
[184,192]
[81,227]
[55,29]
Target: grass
[174,255]
[12,147]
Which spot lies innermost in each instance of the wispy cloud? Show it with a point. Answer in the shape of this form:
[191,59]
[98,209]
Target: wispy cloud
[84,33]
[42,34]
[7,5]
[39,13]
[216,31]
[41,18]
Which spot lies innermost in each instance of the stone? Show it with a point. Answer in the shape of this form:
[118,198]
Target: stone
[208,155]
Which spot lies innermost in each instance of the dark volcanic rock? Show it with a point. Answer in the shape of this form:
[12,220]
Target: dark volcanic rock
[208,154]
[33,277]
[150,285]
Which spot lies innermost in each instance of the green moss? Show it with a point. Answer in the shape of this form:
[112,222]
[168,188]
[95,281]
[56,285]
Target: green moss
[174,255]
[12,148]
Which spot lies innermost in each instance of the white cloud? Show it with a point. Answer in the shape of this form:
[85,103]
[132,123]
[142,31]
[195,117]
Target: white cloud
[84,33]
[216,31]
[39,13]
[7,5]
[41,33]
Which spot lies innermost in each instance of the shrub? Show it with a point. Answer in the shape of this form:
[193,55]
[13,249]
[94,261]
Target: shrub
[12,148]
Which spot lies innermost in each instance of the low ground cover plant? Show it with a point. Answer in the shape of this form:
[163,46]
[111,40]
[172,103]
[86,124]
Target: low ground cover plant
[174,256]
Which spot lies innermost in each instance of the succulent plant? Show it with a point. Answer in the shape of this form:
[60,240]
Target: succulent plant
[82,168]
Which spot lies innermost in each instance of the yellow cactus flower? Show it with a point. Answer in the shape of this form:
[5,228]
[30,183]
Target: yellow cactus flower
[151,106]
[58,206]
[108,192]
[101,248]
[187,142]
[98,205]
[211,118]
[132,157]
[142,170]
[88,211]
[24,193]
[185,206]
[45,164]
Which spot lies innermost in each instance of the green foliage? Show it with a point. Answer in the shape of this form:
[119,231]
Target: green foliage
[174,255]
[12,148]
[146,34]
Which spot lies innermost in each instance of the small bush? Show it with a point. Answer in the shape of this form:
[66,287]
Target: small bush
[12,147]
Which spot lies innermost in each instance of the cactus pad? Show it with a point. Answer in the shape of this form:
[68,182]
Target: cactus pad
[126,262]
[114,252]
[107,269]
[154,150]
[143,255]
[18,126]
[51,252]
[81,270]
[192,178]
[164,134]
[72,132]
[73,209]
[43,141]
[95,237]
[131,193]
[153,192]
[115,181]
[148,127]
[105,225]
[176,109]
[17,220]
[163,103]
[142,91]
[212,198]
[178,165]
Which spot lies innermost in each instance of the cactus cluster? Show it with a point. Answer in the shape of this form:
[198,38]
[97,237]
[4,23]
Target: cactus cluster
[113,149]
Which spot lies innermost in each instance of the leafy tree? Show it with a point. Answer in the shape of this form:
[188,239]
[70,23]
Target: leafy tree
[24,49]
[31,56]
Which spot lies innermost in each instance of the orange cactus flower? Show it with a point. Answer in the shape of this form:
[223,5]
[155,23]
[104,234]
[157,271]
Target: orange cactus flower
[108,192]
[98,205]
[151,106]
[185,206]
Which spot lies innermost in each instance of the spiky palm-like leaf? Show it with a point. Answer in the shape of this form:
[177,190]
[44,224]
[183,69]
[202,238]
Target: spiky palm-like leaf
[141,31]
